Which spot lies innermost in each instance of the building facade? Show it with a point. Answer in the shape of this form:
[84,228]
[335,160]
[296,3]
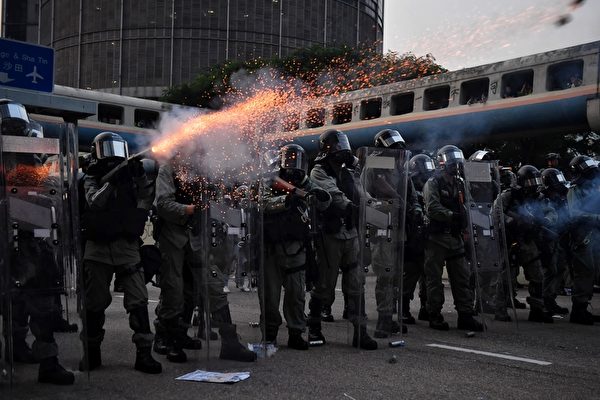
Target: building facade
[140,47]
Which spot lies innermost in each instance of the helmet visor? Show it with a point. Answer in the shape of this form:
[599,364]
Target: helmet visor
[112,148]
[14,119]
[452,157]
[293,159]
[389,140]
[428,166]
[341,145]
[532,182]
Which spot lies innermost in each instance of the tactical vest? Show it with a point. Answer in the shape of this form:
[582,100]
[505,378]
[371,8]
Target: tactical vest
[333,218]
[120,220]
[285,226]
[450,201]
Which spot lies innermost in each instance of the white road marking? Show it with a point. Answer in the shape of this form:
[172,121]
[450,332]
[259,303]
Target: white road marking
[348,396]
[487,353]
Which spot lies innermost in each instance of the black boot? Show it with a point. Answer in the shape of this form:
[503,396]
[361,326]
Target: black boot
[437,322]
[326,315]
[231,348]
[161,343]
[94,358]
[51,371]
[387,327]
[62,325]
[580,314]
[519,305]
[466,322]
[553,308]
[407,317]
[201,324]
[295,340]
[176,332]
[315,336]
[540,315]
[362,339]
[145,363]
[423,314]
[22,352]
[95,334]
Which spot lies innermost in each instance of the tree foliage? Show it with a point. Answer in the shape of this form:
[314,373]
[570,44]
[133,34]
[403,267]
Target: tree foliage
[326,70]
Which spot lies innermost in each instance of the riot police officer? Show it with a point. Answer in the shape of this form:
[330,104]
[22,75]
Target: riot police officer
[526,217]
[338,246]
[179,189]
[444,206]
[584,205]
[118,198]
[553,249]
[29,285]
[286,230]
[421,168]
[390,184]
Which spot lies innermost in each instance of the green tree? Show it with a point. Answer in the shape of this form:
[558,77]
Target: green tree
[325,70]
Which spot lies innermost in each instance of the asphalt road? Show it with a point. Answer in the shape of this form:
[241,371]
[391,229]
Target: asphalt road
[551,361]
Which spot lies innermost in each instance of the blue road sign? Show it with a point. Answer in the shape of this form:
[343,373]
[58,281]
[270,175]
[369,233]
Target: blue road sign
[26,66]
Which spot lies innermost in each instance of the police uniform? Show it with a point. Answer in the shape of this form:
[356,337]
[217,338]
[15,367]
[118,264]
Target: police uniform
[113,224]
[286,236]
[445,245]
[180,245]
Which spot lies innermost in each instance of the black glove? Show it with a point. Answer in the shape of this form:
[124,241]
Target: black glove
[136,167]
[350,215]
[320,194]
[457,219]
[294,201]
[417,218]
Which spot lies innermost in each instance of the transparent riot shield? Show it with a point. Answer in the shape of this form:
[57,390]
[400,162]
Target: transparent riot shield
[231,244]
[384,177]
[40,270]
[487,244]
[5,320]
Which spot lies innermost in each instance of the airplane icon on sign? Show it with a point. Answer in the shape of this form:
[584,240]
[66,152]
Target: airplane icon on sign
[34,75]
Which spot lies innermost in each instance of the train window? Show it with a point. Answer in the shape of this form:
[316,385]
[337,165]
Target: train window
[517,84]
[402,103]
[565,75]
[291,122]
[370,109]
[110,114]
[145,118]
[436,98]
[315,117]
[342,113]
[475,91]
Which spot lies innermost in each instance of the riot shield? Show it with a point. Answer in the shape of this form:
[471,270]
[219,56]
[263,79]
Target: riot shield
[487,244]
[40,270]
[231,242]
[382,213]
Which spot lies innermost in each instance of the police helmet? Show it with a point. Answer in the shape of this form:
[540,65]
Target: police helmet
[582,166]
[293,163]
[553,179]
[390,138]
[449,155]
[109,145]
[14,118]
[332,142]
[482,155]
[508,178]
[421,164]
[529,178]
[35,129]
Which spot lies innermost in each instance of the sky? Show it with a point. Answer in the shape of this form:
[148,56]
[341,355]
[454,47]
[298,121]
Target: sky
[466,33]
